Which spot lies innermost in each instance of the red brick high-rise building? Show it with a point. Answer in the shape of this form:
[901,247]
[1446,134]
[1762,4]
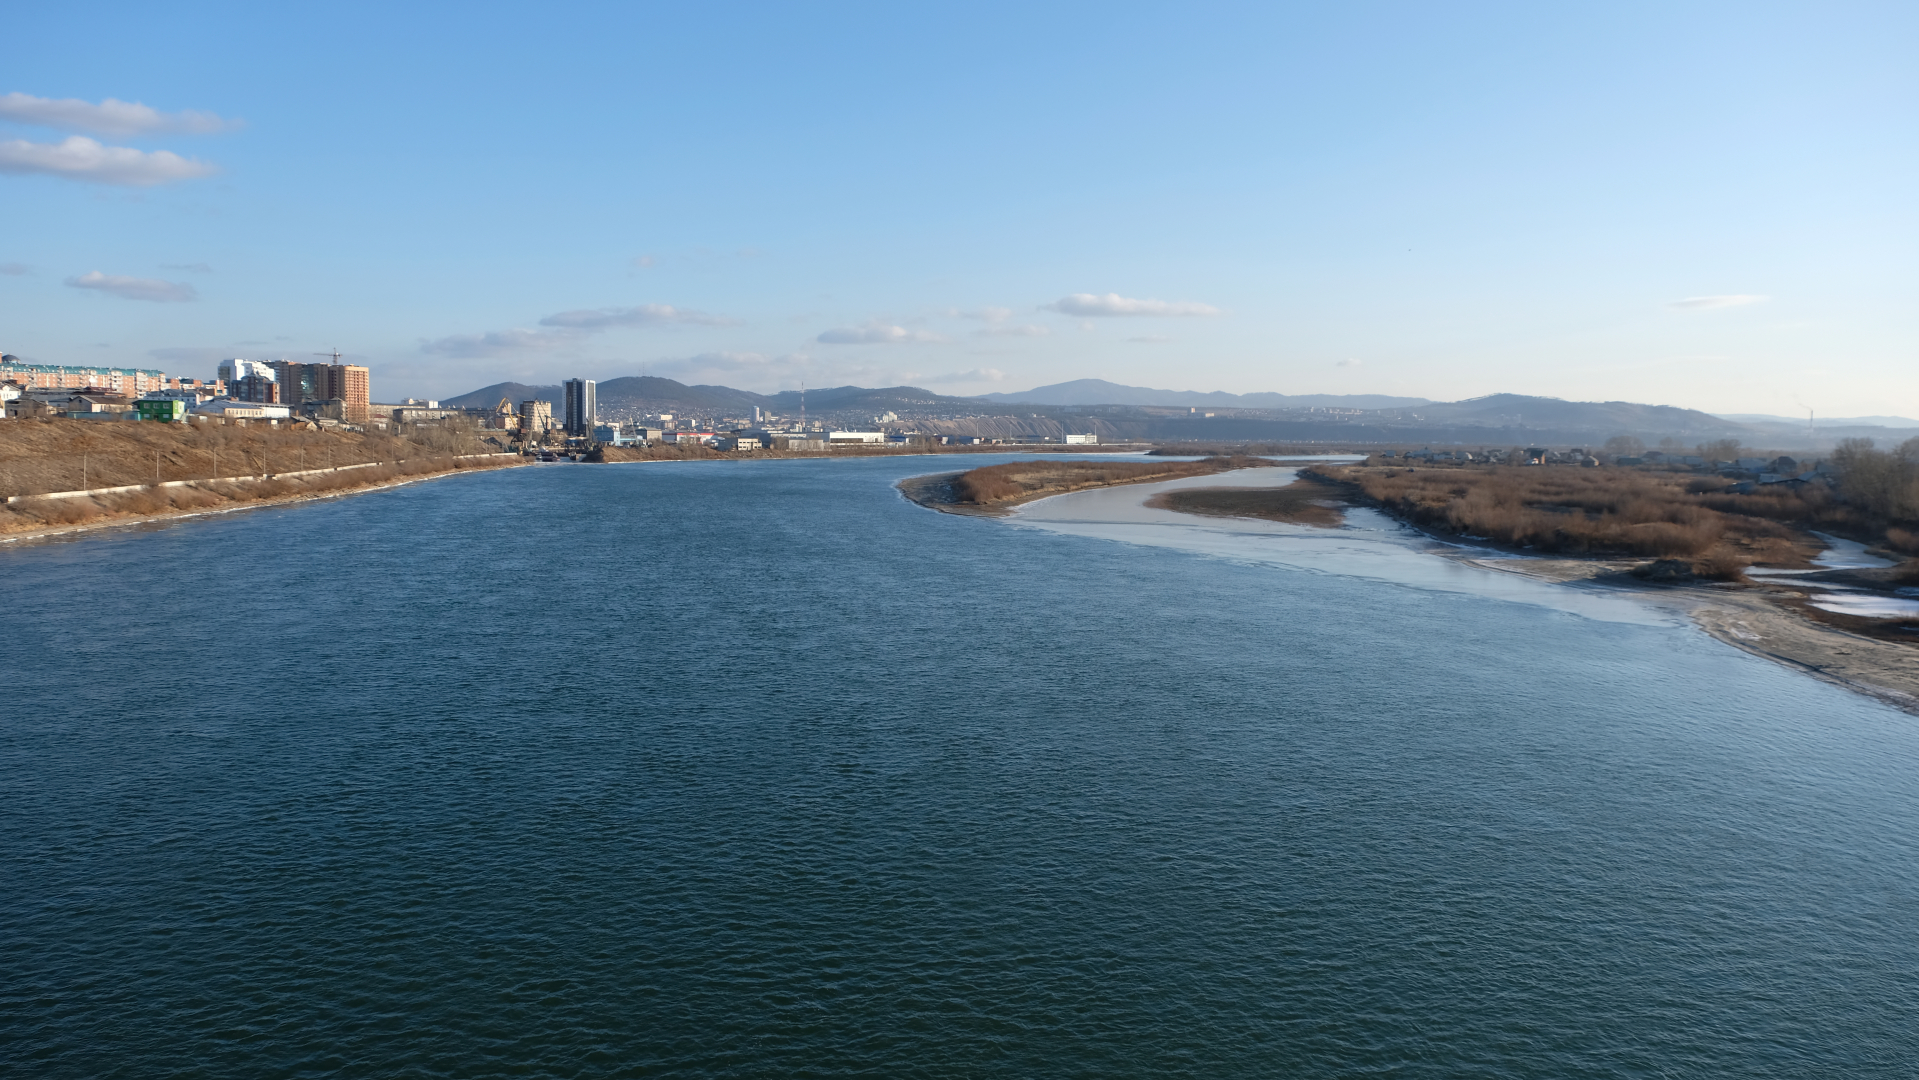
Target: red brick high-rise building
[349,383]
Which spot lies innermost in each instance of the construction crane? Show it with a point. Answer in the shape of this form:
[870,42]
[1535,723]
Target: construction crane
[335,354]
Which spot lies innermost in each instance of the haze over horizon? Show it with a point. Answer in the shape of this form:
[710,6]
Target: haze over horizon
[1702,205]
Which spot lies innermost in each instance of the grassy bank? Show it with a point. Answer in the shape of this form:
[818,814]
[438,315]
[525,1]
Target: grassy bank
[43,455]
[202,467]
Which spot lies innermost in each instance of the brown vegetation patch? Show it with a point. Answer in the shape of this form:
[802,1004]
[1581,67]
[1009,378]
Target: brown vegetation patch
[57,454]
[1603,512]
[1302,502]
[51,455]
[1023,481]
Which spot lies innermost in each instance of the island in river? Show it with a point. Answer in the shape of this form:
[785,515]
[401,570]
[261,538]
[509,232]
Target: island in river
[994,490]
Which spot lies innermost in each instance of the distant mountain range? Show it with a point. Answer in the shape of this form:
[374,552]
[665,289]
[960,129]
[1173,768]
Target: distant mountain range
[645,393]
[1101,392]
[1046,410]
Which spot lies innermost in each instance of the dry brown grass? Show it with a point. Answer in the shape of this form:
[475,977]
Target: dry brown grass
[1019,481]
[1601,512]
[41,454]
[1302,502]
[38,456]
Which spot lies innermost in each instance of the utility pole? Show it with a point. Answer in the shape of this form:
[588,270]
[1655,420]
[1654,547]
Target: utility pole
[83,472]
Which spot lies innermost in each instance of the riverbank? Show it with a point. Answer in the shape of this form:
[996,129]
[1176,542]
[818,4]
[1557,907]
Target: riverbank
[1705,567]
[65,514]
[1770,620]
[995,490]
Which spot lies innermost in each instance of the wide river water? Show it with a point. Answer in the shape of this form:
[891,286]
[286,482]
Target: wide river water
[757,770]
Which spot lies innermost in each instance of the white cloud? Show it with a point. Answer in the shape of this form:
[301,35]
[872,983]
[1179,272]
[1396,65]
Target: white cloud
[1349,362]
[15,269]
[640,315]
[498,343]
[875,333]
[1149,339]
[110,117]
[985,314]
[1708,303]
[728,361]
[752,370]
[134,288]
[564,329]
[188,355]
[1013,331]
[976,375]
[81,158]
[1086,304]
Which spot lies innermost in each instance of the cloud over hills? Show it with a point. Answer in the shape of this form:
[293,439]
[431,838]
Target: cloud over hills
[1709,303]
[109,117]
[1113,304]
[497,343]
[876,333]
[133,288]
[638,315]
[81,158]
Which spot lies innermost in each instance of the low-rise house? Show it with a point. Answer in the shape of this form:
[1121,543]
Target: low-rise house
[229,409]
[98,407]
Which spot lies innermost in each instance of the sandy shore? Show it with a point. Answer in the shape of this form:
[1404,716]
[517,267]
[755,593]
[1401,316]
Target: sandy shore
[121,521]
[935,492]
[1760,619]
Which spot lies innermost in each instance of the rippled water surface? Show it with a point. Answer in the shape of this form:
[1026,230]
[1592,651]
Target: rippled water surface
[754,769]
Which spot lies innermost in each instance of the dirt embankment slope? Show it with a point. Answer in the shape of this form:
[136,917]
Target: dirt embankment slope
[175,469]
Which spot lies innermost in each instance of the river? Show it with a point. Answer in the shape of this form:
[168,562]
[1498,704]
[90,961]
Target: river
[757,769]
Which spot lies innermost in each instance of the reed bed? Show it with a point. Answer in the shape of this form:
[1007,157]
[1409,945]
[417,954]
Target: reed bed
[1599,512]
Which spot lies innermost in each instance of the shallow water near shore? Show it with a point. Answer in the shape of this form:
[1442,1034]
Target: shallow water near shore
[757,769]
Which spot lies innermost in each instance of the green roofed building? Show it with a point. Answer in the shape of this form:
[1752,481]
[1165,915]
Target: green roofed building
[171,410]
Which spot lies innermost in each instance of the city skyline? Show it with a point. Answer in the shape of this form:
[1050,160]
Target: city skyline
[1698,206]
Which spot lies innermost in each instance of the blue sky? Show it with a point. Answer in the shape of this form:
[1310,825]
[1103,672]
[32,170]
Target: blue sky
[1697,204]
